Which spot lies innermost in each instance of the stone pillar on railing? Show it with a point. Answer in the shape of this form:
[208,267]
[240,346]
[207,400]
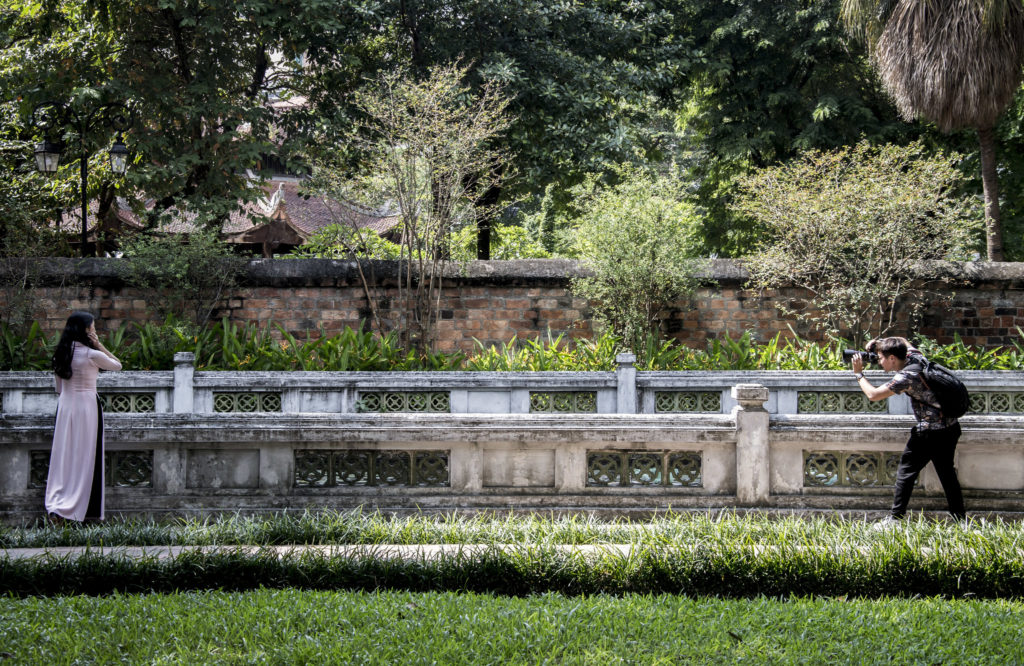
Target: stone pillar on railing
[184,371]
[625,380]
[752,480]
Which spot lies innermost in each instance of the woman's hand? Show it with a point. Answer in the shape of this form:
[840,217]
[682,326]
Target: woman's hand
[95,340]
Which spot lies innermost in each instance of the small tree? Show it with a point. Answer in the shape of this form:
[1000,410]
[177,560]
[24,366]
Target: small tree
[853,227]
[427,147]
[637,241]
[182,278]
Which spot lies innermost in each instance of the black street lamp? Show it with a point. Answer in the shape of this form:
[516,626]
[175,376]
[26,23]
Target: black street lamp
[50,115]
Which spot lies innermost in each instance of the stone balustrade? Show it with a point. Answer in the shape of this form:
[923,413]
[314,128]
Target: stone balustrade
[626,441]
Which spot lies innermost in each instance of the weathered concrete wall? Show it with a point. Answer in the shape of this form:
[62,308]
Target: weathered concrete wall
[496,300]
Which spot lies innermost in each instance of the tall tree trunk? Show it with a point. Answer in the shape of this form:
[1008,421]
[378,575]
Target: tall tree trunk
[990,182]
[483,230]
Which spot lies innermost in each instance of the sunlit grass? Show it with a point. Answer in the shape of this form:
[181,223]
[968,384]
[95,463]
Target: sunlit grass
[699,554]
[670,528]
[295,626]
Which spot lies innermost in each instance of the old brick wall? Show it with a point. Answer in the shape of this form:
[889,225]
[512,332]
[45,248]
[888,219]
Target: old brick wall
[494,301]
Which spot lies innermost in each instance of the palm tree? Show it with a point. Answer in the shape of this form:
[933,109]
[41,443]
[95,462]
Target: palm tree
[957,63]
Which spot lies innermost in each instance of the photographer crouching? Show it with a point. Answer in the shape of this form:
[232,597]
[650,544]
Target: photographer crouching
[935,436]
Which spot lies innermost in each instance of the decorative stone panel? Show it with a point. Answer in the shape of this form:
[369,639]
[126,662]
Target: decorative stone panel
[120,403]
[315,468]
[996,402]
[39,468]
[246,402]
[404,401]
[122,469]
[848,469]
[707,402]
[129,469]
[838,402]
[564,402]
[677,469]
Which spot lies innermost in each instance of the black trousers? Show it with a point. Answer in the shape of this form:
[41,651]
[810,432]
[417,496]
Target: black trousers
[936,447]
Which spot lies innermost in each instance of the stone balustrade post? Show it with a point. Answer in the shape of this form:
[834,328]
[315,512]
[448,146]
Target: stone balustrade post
[752,477]
[184,371]
[625,381]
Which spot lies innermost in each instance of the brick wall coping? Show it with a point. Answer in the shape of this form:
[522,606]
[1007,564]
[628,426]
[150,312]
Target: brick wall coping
[323,272]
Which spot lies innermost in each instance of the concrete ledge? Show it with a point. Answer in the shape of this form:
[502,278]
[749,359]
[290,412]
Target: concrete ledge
[319,272]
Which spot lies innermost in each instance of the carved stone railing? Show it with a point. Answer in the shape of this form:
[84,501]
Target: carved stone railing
[624,441]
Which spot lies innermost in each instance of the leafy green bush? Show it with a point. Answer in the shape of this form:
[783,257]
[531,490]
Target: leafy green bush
[852,227]
[637,240]
[184,279]
[230,346]
[555,354]
[25,351]
[340,241]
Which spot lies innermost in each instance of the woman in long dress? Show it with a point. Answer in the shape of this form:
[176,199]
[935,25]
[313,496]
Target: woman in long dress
[74,486]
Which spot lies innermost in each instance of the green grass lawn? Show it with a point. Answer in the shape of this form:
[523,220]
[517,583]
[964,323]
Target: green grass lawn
[695,588]
[293,626]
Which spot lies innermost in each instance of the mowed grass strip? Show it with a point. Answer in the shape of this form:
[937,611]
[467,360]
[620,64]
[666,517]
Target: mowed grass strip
[672,528]
[886,568]
[294,626]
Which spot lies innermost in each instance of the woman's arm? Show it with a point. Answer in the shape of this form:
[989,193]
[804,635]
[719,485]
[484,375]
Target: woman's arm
[103,359]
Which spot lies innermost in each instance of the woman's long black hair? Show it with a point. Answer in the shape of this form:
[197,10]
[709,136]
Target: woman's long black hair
[74,331]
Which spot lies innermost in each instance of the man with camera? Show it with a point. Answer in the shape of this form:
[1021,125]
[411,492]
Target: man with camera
[935,436]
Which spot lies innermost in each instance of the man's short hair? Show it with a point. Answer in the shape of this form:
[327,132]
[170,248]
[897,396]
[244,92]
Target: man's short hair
[892,347]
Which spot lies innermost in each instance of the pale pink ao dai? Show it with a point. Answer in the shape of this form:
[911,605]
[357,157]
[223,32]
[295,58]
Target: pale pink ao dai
[78,437]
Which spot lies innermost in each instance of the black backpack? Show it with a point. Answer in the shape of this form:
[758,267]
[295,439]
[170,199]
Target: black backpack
[954,400]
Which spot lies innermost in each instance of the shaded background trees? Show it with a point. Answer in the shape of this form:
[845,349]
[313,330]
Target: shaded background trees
[957,63]
[705,91]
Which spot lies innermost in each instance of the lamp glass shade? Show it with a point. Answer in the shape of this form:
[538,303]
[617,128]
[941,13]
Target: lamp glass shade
[47,156]
[119,158]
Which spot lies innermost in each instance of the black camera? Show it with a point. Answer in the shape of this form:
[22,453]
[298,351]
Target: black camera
[866,356]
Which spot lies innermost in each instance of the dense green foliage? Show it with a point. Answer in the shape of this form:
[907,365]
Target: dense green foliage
[712,89]
[508,241]
[771,79]
[228,346]
[341,241]
[197,75]
[584,79]
[297,626]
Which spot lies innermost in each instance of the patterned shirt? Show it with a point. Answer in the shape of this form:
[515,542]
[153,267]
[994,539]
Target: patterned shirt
[922,399]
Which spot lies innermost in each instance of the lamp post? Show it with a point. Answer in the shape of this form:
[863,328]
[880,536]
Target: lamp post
[50,115]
